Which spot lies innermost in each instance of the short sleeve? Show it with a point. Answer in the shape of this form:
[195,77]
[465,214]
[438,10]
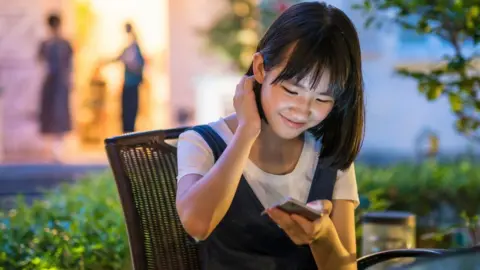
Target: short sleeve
[346,186]
[194,156]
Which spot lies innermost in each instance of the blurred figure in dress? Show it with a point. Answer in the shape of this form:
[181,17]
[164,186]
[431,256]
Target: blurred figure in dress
[55,120]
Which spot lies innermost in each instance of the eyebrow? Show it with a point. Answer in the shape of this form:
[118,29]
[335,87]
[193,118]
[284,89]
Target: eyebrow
[329,91]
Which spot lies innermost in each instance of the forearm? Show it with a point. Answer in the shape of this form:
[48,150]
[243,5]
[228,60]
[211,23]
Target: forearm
[330,253]
[205,203]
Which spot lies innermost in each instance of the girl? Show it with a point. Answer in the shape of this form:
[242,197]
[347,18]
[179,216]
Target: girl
[297,129]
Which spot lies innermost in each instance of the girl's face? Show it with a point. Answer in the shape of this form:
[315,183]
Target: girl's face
[292,108]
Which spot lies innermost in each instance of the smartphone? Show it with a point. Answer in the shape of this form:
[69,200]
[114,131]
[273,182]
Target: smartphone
[292,206]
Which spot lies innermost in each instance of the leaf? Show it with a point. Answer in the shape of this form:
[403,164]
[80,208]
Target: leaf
[357,6]
[458,4]
[369,21]
[474,11]
[457,24]
[36,261]
[434,91]
[367,5]
[455,102]
[461,124]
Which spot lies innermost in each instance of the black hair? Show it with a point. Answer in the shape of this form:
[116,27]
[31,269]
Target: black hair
[54,21]
[324,40]
[128,27]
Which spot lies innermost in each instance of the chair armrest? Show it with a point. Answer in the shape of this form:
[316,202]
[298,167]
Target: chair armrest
[382,256]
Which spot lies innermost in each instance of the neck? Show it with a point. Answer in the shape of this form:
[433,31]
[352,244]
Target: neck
[270,142]
[270,150]
[274,154]
[55,34]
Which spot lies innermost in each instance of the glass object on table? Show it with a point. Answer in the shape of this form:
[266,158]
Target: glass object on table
[386,231]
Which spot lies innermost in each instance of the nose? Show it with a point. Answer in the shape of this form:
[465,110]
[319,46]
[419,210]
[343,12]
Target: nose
[302,108]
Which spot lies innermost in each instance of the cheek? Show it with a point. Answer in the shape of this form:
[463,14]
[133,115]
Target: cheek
[272,98]
[321,111]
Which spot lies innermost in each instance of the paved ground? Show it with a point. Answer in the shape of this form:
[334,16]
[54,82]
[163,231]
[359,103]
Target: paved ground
[32,179]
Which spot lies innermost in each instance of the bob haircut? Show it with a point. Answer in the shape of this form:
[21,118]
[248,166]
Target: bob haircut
[324,40]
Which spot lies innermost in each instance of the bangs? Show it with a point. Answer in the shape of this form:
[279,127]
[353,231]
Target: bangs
[311,57]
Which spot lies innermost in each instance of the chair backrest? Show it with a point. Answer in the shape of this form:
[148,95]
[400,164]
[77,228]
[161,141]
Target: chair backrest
[145,169]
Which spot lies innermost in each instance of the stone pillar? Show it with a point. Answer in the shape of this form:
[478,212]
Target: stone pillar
[21,32]
[22,28]
[1,124]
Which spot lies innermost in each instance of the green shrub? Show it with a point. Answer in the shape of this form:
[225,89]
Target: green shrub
[78,226]
[423,189]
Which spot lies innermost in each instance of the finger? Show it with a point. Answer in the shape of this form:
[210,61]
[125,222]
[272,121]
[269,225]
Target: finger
[328,206]
[289,226]
[281,218]
[323,206]
[242,80]
[248,83]
[245,86]
[298,236]
[298,240]
[240,84]
[306,225]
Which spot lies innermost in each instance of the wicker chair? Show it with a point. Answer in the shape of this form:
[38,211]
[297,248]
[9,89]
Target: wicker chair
[144,166]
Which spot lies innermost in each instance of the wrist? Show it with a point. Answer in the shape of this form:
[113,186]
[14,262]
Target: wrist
[247,133]
[330,244]
[328,238]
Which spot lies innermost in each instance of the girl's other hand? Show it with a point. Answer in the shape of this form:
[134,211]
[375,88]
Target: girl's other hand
[302,231]
[246,108]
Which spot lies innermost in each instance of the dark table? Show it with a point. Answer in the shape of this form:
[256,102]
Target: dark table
[465,259]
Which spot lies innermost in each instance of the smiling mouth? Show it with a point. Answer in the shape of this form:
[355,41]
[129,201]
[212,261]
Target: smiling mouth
[292,124]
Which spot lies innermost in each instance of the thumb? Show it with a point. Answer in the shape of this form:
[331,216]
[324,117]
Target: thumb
[323,206]
[248,82]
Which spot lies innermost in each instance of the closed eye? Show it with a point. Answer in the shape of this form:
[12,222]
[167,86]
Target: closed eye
[288,91]
[323,100]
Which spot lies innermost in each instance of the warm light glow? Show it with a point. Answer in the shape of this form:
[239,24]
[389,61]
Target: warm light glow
[149,18]
[108,38]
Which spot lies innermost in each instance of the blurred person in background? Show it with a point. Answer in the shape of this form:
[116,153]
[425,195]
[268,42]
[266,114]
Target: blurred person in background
[134,63]
[55,120]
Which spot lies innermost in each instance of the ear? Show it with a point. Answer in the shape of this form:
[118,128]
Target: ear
[258,67]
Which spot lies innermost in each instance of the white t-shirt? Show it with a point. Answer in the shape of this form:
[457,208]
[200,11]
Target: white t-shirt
[195,157]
